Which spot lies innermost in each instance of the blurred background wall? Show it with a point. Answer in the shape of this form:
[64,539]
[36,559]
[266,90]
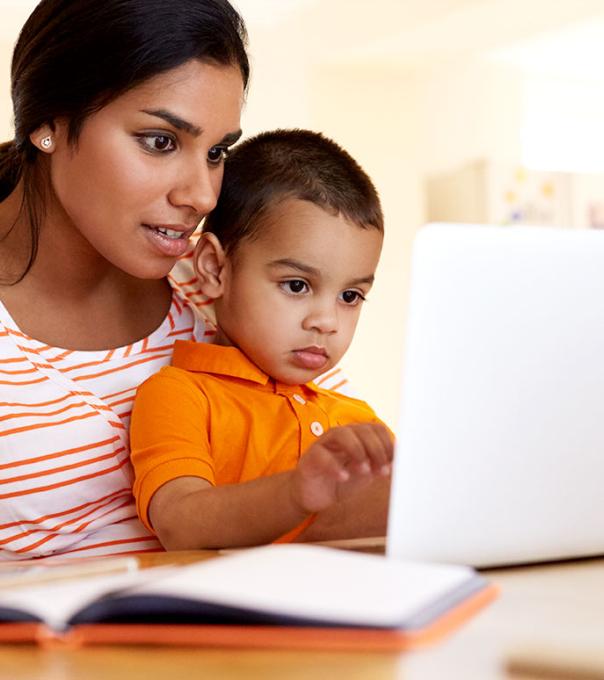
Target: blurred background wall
[473,110]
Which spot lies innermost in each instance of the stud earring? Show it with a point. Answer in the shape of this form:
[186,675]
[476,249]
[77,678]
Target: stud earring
[46,142]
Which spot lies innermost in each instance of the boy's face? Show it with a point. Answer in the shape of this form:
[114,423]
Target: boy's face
[292,295]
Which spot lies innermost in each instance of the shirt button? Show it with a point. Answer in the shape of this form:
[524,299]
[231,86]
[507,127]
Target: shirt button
[316,428]
[299,399]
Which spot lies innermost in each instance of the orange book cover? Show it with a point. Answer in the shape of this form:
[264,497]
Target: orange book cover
[279,596]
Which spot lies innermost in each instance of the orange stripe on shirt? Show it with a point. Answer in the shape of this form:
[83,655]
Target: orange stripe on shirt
[117,394]
[55,423]
[37,414]
[55,515]
[327,376]
[106,544]
[184,331]
[63,355]
[76,530]
[119,368]
[337,386]
[161,348]
[24,382]
[69,482]
[40,404]
[66,523]
[62,468]
[181,284]
[119,402]
[25,371]
[14,360]
[17,334]
[60,454]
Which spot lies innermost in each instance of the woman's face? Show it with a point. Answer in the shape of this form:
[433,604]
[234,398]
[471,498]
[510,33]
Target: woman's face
[147,167]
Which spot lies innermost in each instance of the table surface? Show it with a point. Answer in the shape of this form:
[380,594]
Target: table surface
[556,608]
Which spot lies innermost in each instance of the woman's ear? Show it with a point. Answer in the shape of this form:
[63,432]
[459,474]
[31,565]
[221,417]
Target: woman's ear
[209,262]
[48,136]
[44,138]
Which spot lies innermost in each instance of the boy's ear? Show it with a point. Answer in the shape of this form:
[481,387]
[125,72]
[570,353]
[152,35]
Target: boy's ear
[209,264]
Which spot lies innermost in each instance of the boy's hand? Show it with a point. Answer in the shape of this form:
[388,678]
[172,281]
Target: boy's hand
[341,462]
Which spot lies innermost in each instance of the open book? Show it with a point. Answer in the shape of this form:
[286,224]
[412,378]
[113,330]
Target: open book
[289,596]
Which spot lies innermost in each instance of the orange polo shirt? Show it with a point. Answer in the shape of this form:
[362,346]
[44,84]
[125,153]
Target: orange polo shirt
[214,414]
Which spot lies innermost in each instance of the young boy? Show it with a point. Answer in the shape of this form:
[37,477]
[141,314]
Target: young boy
[233,444]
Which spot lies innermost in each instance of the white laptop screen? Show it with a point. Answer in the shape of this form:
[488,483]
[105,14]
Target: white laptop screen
[500,445]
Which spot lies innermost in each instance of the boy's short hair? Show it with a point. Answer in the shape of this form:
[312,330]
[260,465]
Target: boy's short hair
[273,166]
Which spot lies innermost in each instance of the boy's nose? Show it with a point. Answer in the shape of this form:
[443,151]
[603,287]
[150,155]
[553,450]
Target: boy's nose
[322,319]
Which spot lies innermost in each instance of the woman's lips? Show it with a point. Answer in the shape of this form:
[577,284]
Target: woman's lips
[310,357]
[166,240]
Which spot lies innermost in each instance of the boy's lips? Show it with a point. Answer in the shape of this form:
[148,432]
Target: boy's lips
[310,357]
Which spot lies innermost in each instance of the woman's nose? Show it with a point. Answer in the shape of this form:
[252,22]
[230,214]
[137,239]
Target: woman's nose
[197,188]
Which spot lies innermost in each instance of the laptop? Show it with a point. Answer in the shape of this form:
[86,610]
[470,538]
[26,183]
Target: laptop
[500,445]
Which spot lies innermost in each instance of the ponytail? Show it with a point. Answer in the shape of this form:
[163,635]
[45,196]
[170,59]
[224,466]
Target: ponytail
[11,167]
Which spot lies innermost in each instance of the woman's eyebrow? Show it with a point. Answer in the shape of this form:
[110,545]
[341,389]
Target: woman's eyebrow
[182,124]
[232,137]
[174,120]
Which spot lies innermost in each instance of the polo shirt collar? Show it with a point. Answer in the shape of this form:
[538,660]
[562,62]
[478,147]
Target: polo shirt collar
[203,357]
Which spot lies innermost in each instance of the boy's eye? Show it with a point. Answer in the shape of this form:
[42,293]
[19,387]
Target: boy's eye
[294,286]
[217,154]
[157,143]
[352,297]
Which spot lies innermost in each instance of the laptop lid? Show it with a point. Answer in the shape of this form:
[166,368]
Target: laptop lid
[500,445]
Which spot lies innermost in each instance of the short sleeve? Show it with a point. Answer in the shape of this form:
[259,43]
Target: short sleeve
[168,435]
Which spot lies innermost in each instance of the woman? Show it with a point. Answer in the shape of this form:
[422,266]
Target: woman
[124,111]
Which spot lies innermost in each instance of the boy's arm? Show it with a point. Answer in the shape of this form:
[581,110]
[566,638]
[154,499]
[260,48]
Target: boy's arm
[174,475]
[189,513]
[363,515]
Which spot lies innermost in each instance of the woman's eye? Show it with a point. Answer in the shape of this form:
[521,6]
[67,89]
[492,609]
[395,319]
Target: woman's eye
[352,297]
[295,286]
[157,143]
[217,154]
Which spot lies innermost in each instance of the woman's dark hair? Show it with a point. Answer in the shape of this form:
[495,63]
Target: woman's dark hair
[271,167]
[75,56]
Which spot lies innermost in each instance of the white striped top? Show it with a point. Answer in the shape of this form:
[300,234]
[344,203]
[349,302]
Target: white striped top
[65,475]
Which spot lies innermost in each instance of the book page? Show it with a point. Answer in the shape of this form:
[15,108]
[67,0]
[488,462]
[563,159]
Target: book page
[319,584]
[301,582]
[54,603]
